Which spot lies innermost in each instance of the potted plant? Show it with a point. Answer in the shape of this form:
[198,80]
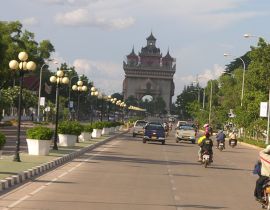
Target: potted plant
[68,132]
[39,140]
[106,128]
[86,133]
[97,129]
[2,142]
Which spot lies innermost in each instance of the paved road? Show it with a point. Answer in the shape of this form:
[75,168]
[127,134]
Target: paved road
[126,174]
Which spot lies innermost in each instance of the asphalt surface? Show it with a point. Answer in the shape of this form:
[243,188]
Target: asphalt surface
[126,174]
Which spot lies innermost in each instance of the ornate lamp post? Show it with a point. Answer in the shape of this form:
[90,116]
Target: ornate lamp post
[80,88]
[94,92]
[108,106]
[22,67]
[100,97]
[59,79]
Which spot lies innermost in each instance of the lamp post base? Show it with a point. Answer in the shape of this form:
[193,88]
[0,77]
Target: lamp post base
[17,158]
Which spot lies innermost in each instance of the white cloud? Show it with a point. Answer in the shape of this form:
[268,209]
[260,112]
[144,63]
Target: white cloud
[208,74]
[67,2]
[105,75]
[31,21]
[82,17]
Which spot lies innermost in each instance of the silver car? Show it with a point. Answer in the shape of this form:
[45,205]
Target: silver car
[186,133]
[138,128]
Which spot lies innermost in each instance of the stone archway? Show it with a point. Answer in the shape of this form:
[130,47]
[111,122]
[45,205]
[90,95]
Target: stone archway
[148,73]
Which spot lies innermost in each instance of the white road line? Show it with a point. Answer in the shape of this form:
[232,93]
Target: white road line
[18,201]
[63,174]
[176,198]
[172,181]
[37,190]
[53,180]
[174,188]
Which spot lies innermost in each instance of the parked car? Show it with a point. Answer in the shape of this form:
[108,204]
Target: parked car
[138,128]
[185,133]
[154,131]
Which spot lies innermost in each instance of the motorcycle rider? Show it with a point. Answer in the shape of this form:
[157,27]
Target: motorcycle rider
[264,173]
[200,149]
[233,136]
[220,138]
[206,145]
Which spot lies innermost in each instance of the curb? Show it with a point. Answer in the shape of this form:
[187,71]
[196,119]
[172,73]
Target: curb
[21,177]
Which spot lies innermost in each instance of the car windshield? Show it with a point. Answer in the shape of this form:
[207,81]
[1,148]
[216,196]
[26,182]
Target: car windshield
[154,127]
[186,127]
[140,123]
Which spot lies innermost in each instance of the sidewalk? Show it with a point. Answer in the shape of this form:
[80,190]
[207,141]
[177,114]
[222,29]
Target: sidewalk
[12,173]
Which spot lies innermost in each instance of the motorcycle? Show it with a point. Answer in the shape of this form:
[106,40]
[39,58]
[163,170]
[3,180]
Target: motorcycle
[266,197]
[206,159]
[221,146]
[232,143]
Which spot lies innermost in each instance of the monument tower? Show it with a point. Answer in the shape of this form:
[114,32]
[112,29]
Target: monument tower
[149,73]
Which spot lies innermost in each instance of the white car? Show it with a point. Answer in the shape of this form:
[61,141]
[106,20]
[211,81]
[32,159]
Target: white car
[185,133]
[138,128]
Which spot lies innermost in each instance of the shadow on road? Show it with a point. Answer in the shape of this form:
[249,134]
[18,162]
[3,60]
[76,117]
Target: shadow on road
[200,207]
[141,160]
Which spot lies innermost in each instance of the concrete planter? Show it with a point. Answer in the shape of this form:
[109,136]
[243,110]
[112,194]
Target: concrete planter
[38,147]
[105,131]
[85,136]
[67,140]
[112,129]
[96,133]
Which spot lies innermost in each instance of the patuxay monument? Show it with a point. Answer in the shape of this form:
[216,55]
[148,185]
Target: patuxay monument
[149,73]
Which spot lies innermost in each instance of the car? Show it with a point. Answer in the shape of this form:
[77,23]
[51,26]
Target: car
[185,133]
[180,123]
[138,128]
[154,131]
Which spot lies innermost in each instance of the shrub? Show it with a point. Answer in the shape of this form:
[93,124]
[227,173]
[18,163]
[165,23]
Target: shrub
[98,125]
[2,140]
[70,127]
[88,128]
[39,133]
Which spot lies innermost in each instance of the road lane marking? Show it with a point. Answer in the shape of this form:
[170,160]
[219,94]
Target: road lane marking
[176,198]
[12,205]
[63,174]
[37,190]
[17,202]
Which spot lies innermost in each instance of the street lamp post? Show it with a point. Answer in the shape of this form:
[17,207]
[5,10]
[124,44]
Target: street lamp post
[69,88]
[210,102]
[95,93]
[39,88]
[80,88]
[59,79]
[23,67]
[243,79]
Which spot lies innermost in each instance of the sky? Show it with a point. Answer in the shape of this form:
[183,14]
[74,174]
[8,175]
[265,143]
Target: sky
[96,35]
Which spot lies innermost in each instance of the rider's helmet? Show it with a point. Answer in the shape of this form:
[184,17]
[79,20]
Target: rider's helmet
[206,125]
